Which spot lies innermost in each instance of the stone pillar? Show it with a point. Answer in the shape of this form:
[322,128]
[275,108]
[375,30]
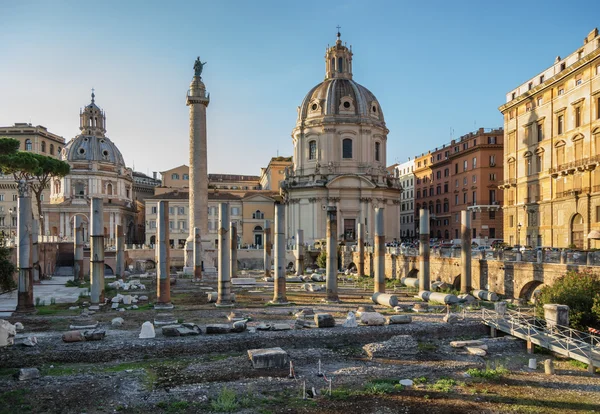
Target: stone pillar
[111,229]
[299,252]
[361,249]
[24,257]
[331,270]
[78,265]
[197,254]
[61,228]
[35,251]
[424,283]
[267,246]
[556,315]
[465,252]
[120,251]
[163,257]
[198,101]
[233,257]
[97,251]
[223,282]
[379,252]
[279,287]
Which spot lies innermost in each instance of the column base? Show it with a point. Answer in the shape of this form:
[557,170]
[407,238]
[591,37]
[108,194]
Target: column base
[25,310]
[163,306]
[278,303]
[331,300]
[225,305]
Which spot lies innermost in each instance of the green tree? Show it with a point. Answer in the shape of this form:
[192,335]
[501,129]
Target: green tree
[322,259]
[7,268]
[38,170]
[577,290]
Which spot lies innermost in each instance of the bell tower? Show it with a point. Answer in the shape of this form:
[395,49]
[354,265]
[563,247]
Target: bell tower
[92,120]
[338,60]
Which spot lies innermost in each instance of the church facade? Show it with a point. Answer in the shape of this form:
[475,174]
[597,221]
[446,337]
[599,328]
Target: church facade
[340,141]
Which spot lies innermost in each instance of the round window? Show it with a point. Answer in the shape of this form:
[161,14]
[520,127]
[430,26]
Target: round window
[86,139]
[81,151]
[105,153]
[314,107]
[346,104]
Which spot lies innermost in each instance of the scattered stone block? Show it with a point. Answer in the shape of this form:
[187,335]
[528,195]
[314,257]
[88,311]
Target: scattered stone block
[8,331]
[187,329]
[301,323]
[72,308]
[281,327]
[451,318]
[556,315]
[476,351]
[372,319]
[19,327]
[117,322]
[164,319]
[269,279]
[268,358]
[83,323]
[134,307]
[147,331]
[324,320]
[239,326]
[26,374]
[73,336]
[421,307]
[95,335]
[406,382]
[306,312]
[294,279]
[212,297]
[262,327]
[143,298]
[462,344]
[350,321]
[403,308]
[398,319]
[548,367]
[363,309]
[466,298]
[127,300]
[94,308]
[398,346]
[243,281]
[218,328]
[115,305]
[532,363]
[30,341]
[316,277]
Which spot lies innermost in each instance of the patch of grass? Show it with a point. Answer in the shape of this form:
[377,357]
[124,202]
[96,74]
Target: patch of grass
[342,393]
[578,364]
[382,386]
[8,372]
[443,385]
[419,380]
[488,373]
[174,407]
[426,346]
[225,402]
[541,350]
[14,402]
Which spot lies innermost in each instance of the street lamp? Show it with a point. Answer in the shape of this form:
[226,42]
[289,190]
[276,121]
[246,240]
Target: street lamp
[519,233]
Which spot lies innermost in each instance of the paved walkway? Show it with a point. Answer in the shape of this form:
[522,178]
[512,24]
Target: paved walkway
[46,290]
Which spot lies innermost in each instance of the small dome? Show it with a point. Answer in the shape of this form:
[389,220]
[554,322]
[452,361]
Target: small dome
[340,97]
[92,148]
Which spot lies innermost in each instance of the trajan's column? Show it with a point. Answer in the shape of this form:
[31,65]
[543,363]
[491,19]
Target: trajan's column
[197,100]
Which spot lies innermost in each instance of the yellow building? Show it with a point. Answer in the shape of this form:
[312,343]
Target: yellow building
[552,152]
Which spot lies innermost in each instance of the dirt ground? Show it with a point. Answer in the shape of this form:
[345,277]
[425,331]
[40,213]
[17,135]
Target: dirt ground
[212,373]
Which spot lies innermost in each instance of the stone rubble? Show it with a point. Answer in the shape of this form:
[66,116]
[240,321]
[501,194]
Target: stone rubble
[398,346]
[324,320]
[147,331]
[350,321]
[372,319]
[26,374]
[117,322]
[8,331]
[398,319]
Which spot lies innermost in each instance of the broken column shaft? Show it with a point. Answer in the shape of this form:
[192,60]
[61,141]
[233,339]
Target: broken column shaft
[24,258]
[331,249]
[120,265]
[35,251]
[197,254]
[379,257]
[163,257]
[361,250]
[78,265]
[267,246]
[279,295]
[97,251]
[465,252]
[233,255]
[424,283]
[224,282]
[299,252]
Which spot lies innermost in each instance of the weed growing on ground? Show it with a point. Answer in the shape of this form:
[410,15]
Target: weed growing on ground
[426,346]
[443,385]
[14,402]
[488,373]
[382,386]
[225,402]
[419,380]
[578,364]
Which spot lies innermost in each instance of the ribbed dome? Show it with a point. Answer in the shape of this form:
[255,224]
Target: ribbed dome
[91,148]
[342,97]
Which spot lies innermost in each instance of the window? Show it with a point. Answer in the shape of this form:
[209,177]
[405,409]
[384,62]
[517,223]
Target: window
[578,80]
[174,176]
[446,172]
[563,66]
[465,165]
[474,178]
[539,163]
[1,197]
[511,221]
[530,86]
[15,197]
[561,90]
[445,187]
[597,214]
[492,215]
[464,181]
[560,124]
[235,211]
[560,155]
[579,149]
[377,149]
[186,177]
[514,95]
[473,215]
[43,146]
[474,162]
[542,79]
[474,197]
[528,106]
[598,108]
[152,224]
[474,232]
[51,149]
[258,215]
[171,210]
[511,114]
[171,224]
[153,210]
[347,148]
[493,177]
[456,200]
[528,164]
[181,224]
[456,168]
[464,198]
[28,145]
[181,211]
[577,116]
[438,175]
[540,101]
[540,132]
[312,150]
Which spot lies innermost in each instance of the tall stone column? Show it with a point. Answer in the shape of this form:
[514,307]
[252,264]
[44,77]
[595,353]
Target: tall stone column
[97,251]
[197,254]
[24,258]
[361,249]
[279,294]
[267,246]
[120,251]
[299,252]
[111,229]
[78,265]
[233,257]
[224,282]
[35,251]
[331,268]
[465,252]
[163,257]
[198,101]
[379,250]
[424,281]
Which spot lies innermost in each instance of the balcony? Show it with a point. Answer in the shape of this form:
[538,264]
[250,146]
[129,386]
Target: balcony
[511,182]
[583,164]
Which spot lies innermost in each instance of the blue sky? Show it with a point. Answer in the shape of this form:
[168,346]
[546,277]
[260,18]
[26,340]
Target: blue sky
[435,66]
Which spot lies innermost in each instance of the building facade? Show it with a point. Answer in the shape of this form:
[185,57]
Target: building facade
[340,142]
[552,153]
[406,175]
[36,139]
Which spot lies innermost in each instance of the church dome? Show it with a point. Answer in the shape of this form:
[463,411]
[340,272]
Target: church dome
[91,148]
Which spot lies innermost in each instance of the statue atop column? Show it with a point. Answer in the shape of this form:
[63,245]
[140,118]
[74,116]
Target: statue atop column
[198,66]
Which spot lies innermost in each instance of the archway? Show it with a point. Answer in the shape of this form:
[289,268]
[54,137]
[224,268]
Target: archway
[527,290]
[577,231]
[108,271]
[414,273]
[351,266]
[258,236]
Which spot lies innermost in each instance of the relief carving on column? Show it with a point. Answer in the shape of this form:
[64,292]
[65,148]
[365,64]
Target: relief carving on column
[23,188]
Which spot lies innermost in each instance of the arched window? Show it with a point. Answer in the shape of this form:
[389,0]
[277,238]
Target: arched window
[109,189]
[340,65]
[377,151]
[258,215]
[347,148]
[175,176]
[51,149]
[312,150]
[28,146]
[332,64]
[43,146]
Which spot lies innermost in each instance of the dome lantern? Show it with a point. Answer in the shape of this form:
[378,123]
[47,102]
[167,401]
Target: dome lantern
[92,119]
[338,60]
